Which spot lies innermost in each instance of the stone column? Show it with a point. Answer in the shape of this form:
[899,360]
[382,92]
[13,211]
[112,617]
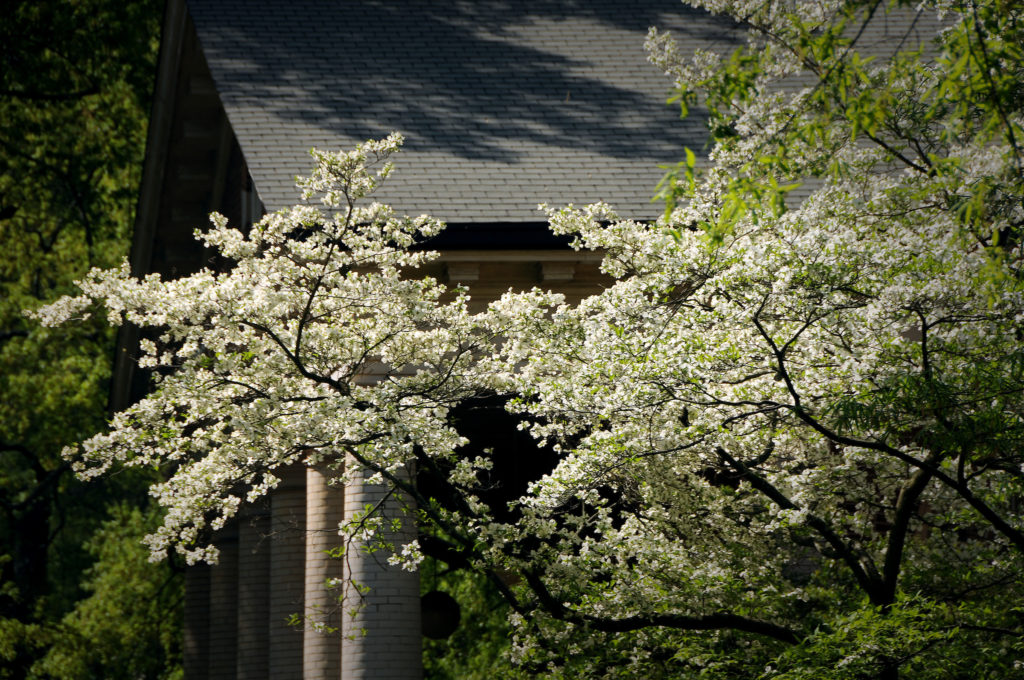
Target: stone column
[196,645]
[287,573]
[253,590]
[321,653]
[223,635]
[381,627]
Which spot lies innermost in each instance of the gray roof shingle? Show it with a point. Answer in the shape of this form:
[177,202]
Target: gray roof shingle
[503,104]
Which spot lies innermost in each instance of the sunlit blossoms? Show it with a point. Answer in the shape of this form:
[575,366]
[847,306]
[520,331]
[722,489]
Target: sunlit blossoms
[784,442]
[257,367]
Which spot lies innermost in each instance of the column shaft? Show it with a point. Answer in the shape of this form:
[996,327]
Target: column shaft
[321,655]
[253,591]
[381,626]
[196,645]
[287,562]
[223,635]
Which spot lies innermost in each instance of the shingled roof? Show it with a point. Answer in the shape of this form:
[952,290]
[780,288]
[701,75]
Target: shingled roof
[503,104]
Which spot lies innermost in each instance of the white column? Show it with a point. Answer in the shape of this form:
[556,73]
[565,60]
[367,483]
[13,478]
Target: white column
[287,573]
[196,647]
[253,591]
[223,633]
[321,650]
[381,641]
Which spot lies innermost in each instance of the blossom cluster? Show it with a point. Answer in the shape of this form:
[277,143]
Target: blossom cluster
[786,436]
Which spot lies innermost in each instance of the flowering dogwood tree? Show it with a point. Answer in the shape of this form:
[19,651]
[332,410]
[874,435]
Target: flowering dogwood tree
[784,443]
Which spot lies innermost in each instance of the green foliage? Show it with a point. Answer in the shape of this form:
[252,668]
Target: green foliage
[75,82]
[478,649]
[967,88]
[127,626]
[920,638]
[788,436]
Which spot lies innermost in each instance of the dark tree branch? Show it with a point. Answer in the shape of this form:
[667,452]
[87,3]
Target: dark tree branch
[469,544]
[37,95]
[906,506]
[341,388]
[716,621]
[1015,536]
[861,566]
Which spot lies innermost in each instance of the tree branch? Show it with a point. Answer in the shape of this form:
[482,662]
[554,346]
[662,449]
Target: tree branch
[1002,526]
[906,505]
[861,566]
[36,95]
[717,621]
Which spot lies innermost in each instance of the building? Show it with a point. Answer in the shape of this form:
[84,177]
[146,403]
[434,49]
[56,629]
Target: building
[504,105]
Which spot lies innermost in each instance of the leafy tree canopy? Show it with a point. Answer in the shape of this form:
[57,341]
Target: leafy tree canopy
[75,83]
[786,441]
